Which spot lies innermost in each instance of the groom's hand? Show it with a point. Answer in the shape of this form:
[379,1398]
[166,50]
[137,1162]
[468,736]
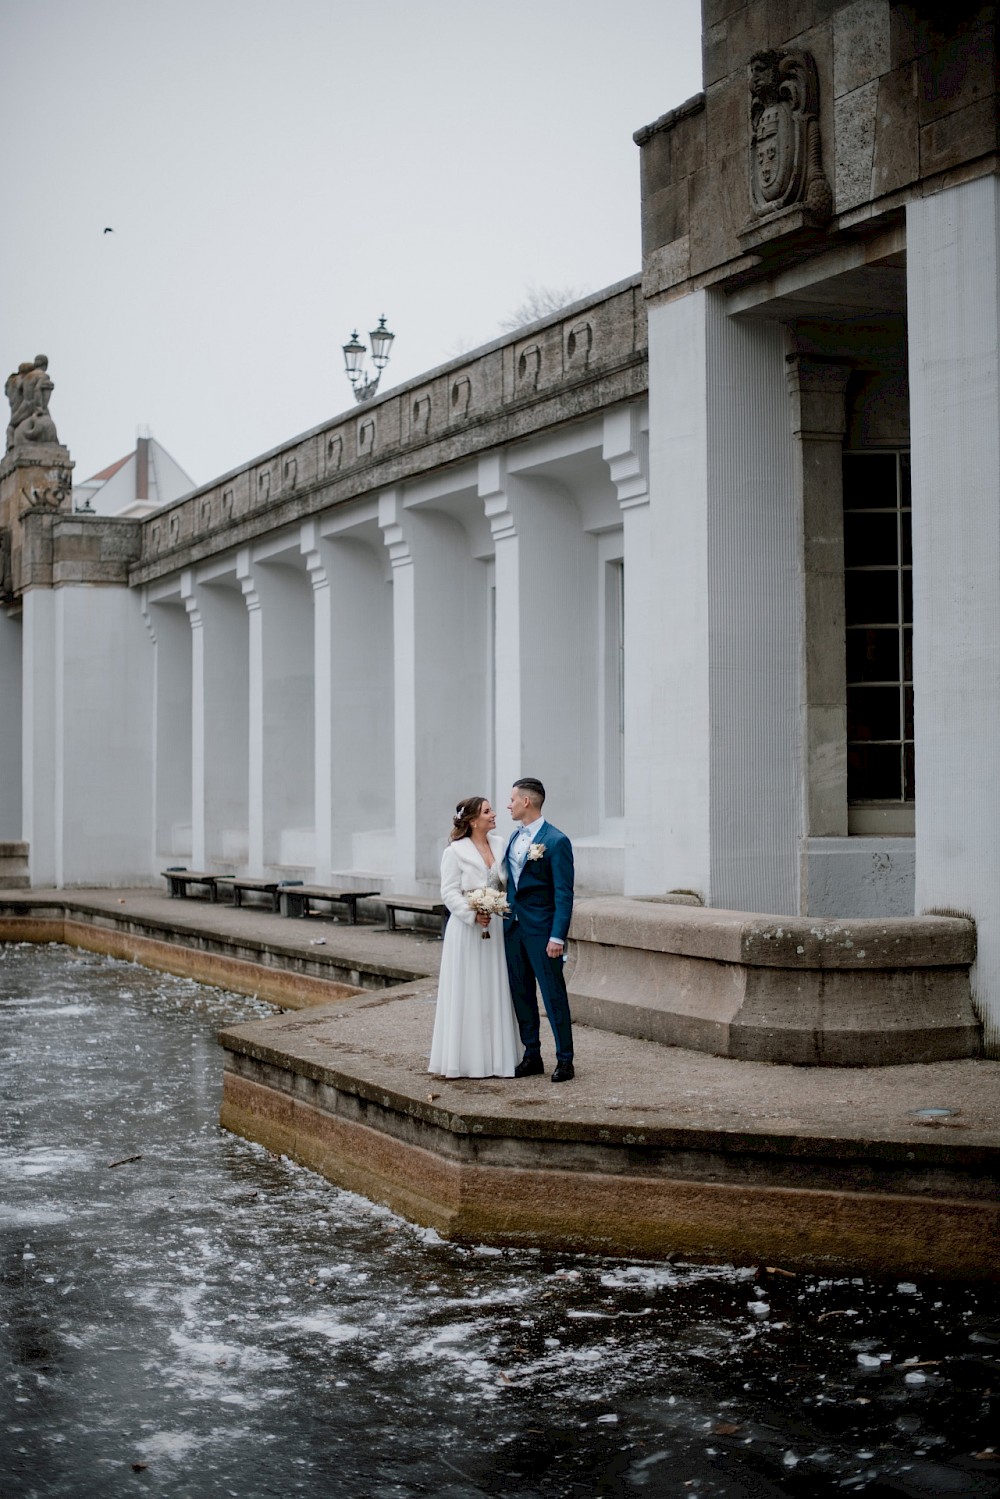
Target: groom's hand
[554,949]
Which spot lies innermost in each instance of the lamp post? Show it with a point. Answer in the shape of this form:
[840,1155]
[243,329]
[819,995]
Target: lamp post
[354,358]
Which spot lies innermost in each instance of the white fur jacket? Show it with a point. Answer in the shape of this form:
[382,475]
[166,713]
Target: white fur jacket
[462,870]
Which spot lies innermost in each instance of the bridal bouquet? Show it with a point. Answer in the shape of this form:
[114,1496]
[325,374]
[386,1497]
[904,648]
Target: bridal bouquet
[487,902]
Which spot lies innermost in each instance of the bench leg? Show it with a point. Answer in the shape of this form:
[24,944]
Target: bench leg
[390,917]
[352,912]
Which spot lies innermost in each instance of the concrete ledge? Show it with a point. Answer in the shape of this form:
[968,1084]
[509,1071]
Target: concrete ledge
[280,986]
[799,990]
[516,1163]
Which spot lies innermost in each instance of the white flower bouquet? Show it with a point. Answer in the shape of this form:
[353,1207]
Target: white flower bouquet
[488,902]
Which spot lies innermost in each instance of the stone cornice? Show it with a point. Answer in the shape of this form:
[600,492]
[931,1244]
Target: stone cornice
[581,360]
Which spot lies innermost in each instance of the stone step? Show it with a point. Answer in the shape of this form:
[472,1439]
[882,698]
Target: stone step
[14,873]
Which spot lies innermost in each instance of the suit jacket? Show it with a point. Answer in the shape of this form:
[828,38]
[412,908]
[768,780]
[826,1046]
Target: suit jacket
[543,901]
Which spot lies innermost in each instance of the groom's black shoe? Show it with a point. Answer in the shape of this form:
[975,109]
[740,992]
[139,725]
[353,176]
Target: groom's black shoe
[529,1067]
[563,1073]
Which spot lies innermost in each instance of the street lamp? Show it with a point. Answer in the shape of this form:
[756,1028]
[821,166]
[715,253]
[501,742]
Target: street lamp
[354,358]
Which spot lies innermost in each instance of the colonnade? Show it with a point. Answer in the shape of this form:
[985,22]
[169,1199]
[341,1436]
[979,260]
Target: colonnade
[322,698]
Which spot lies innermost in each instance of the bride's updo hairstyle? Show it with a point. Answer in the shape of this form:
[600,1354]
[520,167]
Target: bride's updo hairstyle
[465,815]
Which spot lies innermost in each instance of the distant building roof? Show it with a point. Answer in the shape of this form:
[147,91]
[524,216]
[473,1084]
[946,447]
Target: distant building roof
[140,482]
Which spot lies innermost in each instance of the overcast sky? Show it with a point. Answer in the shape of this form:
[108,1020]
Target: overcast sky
[279,172]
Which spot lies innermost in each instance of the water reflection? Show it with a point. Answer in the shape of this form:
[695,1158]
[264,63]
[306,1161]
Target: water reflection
[209,1320]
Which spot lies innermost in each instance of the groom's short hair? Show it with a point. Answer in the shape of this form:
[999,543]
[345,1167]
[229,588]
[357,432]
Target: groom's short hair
[534,790]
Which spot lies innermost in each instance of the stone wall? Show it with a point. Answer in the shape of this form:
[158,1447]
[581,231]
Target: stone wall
[906,104]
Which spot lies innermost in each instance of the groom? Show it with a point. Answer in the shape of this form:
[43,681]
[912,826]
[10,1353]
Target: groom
[539,862]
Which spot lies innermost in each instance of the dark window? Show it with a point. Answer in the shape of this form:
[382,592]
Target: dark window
[878,598]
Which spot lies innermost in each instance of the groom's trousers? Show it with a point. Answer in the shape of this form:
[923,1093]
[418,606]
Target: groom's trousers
[527,961]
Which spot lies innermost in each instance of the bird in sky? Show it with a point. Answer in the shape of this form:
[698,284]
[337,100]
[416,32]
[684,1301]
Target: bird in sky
[109,231]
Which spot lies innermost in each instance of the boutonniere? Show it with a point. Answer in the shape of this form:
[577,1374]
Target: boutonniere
[536,851]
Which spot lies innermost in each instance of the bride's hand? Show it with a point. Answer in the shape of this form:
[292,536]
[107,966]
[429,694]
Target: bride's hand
[482,919]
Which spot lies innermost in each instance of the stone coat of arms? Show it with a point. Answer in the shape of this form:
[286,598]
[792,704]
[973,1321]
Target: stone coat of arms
[786,167]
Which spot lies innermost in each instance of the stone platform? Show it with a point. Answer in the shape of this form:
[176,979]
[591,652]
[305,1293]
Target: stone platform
[653,1149]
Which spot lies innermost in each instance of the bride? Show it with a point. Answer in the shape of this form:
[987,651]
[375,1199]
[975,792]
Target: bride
[474,1030]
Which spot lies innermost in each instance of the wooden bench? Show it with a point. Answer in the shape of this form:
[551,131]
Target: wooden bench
[423,905]
[297,900]
[240,887]
[178,881]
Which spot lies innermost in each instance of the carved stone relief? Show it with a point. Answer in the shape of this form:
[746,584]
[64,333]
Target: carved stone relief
[205,519]
[334,451]
[366,436]
[461,397]
[420,416]
[49,496]
[579,340]
[529,364]
[289,472]
[786,166]
[227,504]
[264,486]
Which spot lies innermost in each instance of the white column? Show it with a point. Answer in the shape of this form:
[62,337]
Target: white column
[169,628]
[255,706]
[508,742]
[40,745]
[197,720]
[724,643]
[953,298]
[626,452]
[11,728]
[404,641]
[323,703]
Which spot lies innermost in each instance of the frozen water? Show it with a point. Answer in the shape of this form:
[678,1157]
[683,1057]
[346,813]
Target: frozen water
[210,1320]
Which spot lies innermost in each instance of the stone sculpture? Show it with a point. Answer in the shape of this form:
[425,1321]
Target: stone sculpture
[28,390]
[786,167]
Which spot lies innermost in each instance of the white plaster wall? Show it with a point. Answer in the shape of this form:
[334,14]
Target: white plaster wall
[953,296]
[10,728]
[173,698]
[559,638]
[39,741]
[361,699]
[861,876]
[756,618]
[104,738]
[220,726]
[440,678]
[724,635]
[287,649]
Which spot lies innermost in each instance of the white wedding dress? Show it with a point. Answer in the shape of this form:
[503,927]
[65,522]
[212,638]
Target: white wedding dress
[475,1034]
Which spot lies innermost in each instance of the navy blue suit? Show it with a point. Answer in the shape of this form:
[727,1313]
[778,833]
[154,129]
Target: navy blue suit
[540,908]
